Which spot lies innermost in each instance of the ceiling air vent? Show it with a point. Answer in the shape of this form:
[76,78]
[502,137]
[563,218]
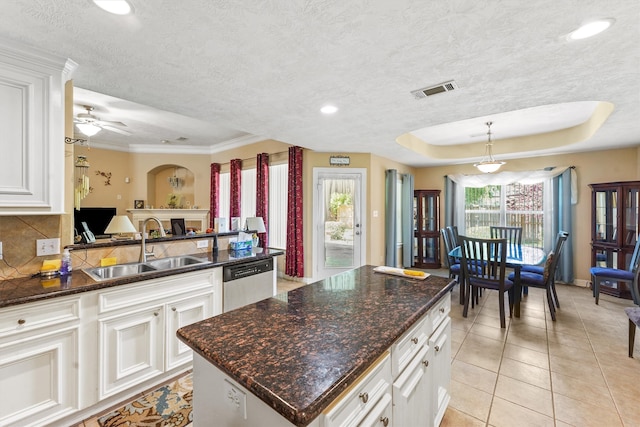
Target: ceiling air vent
[433,90]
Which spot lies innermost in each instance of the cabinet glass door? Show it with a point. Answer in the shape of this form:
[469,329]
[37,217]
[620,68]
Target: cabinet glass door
[631,217]
[606,215]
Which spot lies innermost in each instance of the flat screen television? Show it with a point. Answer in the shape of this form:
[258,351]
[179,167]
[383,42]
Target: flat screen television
[97,220]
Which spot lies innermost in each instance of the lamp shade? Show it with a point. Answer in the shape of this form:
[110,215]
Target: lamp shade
[120,224]
[256,223]
[88,129]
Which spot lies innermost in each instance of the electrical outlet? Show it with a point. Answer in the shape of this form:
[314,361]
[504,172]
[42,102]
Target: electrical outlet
[235,399]
[202,244]
[47,246]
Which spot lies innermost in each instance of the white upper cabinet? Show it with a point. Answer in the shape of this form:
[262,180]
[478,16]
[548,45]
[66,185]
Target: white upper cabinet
[32,122]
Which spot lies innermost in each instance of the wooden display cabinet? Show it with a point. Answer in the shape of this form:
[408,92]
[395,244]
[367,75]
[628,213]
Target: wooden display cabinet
[614,229]
[426,228]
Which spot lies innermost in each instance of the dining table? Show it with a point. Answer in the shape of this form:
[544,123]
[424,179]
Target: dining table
[517,256]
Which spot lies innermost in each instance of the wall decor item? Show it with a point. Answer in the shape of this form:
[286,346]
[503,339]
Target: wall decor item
[106,175]
[339,160]
[235,223]
[138,204]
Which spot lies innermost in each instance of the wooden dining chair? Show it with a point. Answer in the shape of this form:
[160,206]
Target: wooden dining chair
[544,280]
[604,274]
[484,267]
[513,235]
[561,239]
[452,263]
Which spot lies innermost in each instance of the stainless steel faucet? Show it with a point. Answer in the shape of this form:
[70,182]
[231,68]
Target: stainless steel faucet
[143,252]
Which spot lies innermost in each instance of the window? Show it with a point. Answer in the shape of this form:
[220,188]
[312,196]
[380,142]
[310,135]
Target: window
[511,205]
[278,191]
[278,185]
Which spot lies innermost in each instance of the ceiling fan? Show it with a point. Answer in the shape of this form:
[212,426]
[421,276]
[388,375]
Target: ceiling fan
[90,124]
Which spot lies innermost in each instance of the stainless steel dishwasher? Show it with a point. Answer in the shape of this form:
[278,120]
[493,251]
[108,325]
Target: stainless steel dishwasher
[247,283]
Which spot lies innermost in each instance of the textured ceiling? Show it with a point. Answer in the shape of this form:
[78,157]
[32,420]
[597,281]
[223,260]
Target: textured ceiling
[236,72]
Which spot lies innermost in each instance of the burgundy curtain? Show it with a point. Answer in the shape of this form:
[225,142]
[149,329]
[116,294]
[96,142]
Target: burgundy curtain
[235,184]
[214,194]
[294,257]
[262,195]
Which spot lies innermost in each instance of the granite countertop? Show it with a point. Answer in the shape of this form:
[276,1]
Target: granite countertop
[298,351]
[29,289]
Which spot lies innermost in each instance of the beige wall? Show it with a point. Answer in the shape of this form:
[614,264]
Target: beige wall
[591,167]
[19,233]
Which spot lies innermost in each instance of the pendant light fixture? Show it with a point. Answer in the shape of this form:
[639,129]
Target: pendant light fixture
[488,164]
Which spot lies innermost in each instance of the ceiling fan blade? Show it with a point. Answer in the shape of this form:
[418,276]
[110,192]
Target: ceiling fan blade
[110,122]
[116,130]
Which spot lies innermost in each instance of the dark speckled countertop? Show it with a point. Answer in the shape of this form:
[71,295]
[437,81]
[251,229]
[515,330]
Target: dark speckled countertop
[29,289]
[299,355]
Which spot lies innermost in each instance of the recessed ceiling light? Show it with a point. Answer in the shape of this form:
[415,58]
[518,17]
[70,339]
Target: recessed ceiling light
[591,29]
[328,109]
[117,7]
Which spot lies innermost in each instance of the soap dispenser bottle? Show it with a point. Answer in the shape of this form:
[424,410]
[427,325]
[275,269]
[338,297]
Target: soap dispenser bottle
[65,264]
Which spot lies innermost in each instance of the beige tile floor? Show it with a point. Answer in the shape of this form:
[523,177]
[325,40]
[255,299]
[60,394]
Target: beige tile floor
[571,372]
[536,372]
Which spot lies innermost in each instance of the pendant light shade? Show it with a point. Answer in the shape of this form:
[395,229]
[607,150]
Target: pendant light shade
[488,164]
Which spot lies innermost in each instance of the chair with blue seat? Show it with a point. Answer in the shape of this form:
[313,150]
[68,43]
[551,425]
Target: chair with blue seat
[453,264]
[561,239]
[634,312]
[544,280]
[484,267]
[605,274]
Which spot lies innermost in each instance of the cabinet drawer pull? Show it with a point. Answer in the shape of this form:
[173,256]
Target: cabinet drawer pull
[21,321]
[441,309]
[364,396]
[414,340]
[173,309]
[384,421]
[155,313]
[437,348]
[425,363]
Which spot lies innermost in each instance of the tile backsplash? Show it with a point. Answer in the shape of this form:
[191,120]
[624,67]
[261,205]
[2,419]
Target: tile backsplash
[18,235]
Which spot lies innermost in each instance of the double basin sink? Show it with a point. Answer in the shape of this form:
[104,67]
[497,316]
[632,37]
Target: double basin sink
[137,268]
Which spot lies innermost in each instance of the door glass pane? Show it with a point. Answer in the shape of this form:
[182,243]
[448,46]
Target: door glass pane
[338,222]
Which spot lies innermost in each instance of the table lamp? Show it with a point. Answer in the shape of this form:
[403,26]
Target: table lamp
[120,224]
[256,224]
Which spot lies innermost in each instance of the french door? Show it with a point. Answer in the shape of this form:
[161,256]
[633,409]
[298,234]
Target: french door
[338,220]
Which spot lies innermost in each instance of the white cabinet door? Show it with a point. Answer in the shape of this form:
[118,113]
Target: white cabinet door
[39,378]
[181,313]
[381,414]
[440,340]
[32,123]
[412,401]
[131,349]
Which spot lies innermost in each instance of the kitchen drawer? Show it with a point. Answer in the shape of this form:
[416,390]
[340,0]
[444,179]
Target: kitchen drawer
[138,293]
[438,313]
[353,405]
[35,316]
[408,345]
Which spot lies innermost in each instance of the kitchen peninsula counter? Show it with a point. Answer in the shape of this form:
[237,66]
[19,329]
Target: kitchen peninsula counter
[297,352]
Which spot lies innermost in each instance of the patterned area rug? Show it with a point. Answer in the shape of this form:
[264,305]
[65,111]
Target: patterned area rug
[168,406]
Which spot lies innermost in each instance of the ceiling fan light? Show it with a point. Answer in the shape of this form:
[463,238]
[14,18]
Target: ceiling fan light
[88,129]
[117,7]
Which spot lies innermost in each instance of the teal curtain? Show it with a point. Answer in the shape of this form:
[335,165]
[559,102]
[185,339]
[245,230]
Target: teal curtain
[407,220]
[391,179]
[562,221]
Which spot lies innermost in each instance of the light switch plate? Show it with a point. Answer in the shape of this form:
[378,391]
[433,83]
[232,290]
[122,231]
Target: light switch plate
[47,247]
[202,244]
